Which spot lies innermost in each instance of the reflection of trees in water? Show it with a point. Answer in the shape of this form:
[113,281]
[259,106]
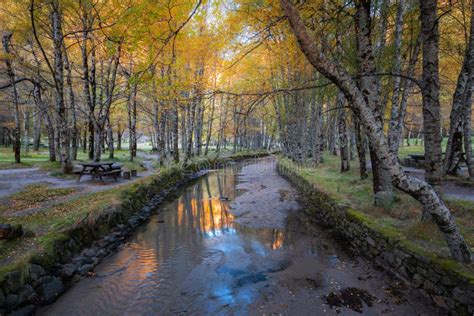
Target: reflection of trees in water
[272,238]
[206,216]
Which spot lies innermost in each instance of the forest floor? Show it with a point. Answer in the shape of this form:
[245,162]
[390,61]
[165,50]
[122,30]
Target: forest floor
[402,218]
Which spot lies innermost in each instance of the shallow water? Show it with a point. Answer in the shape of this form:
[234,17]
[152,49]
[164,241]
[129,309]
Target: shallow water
[196,257]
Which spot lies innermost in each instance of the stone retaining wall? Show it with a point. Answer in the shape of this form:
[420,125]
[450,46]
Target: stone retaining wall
[439,279]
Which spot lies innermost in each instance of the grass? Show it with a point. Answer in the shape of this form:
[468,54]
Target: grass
[416,147]
[31,196]
[402,218]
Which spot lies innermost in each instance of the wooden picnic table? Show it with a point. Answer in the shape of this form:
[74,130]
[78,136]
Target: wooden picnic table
[99,169]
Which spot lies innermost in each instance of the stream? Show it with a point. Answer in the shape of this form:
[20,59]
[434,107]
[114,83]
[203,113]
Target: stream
[236,242]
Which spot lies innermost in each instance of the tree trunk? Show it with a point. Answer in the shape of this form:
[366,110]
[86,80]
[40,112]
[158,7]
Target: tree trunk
[343,143]
[110,139]
[361,145]
[209,125]
[175,132]
[382,186]
[430,92]
[460,118]
[394,135]
[132,122]
[417,188]
[119,137]
[37,130]
[84,140]
[97,143]
[48,121]
[26,130]
[72,106]
[62,120]
[467,139]
[16,111]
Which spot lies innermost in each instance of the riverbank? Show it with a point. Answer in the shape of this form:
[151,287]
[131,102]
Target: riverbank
[37,268]
[449,284]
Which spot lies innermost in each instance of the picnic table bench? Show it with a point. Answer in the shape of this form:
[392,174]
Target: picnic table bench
[99,170]
[417,157]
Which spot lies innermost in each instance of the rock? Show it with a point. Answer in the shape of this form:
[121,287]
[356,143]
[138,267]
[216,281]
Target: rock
[85,268]
[90,252]
[51,290]
[13,282]
[24,311]
[27,294]
[443,302]
[111,238]
[16,231]
[68,270]
[101,253]
[35,271]
[417,280]
[460,296]
[112,247]
[2,298]
[102,243]
[11,301]
[448,281]
[121,226]
[133,221]
[95,261]
[81,260]
[5,230]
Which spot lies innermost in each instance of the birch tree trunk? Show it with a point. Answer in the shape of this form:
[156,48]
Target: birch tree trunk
[62,119]
[175,132]
[383,191]
[209,125]
[110,139]
[16,111]
[72,105]
[361,145]
[460,117]
[393,135]
[37,122]
[26,130]
[430,92]
[343,142]
[417,188]
[47,118]
[132,121]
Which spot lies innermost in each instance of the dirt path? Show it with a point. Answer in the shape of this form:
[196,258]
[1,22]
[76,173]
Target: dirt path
[451,190]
